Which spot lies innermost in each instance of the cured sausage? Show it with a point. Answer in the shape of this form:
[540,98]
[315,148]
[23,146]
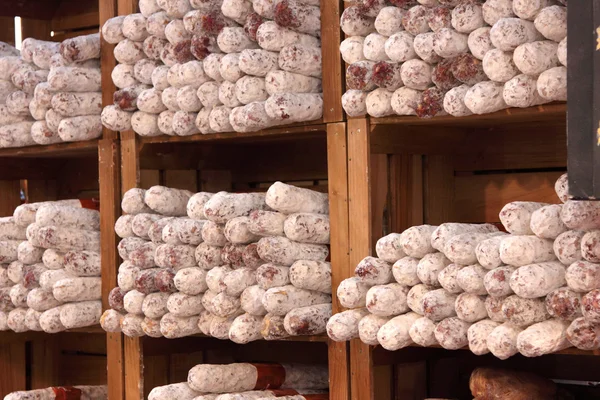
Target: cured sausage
[394,335]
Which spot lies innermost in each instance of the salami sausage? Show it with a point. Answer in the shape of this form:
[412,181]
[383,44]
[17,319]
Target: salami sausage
[552,84]
[404,101]
[519,250]
[311,275]
[553,335]
[352,49]
[451,333]
[281,300]
[509,33]
[368,328]
[273,37]
[523,312]
[256,377]
[584,334]
[416,74]
[536,57]
[416,241]
[379,103]
[479,42]
[497,281]
[467,16]
[478,333]
[354,22]
[564,303]
[502,341]
[394,334]
[352,293]
[537,280]
[449,43]
[438,304]
[567,247]
[387,300]
[448,278]
[374,271]
[422,332]
[470,307]
[494,10]
[112,30]
[439,17]
[251,300]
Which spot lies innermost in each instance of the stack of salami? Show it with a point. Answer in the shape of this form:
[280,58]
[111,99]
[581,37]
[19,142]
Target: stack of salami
[457,57]
[60,392]
[251,382]
[206,66]
[232,266]
[51,91]
[532,291]
[53,280]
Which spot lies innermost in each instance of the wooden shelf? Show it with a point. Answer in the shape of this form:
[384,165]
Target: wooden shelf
[282,131]
[416,353]
[547,112]
[59,150]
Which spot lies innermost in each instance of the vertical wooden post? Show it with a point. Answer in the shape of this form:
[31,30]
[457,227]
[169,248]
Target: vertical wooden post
[332,61]
[12,367]
[339,380]
[359,197]
[133,349]
[110,200]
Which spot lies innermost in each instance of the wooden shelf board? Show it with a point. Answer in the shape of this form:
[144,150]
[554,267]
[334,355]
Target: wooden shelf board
[59,150]
[415,353]
[9,336]
[547,112]
[282,131]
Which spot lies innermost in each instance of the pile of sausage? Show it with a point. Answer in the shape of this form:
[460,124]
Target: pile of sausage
[458,57]
[238,266]
[534,290]
[245,381]
[62,392]
[50,273]
[50,92]
[207,66]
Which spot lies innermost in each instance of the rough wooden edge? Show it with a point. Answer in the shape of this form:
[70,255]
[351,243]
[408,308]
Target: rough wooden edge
[339,380]
[133,350]
[109,176]
[333,84]
[359,155]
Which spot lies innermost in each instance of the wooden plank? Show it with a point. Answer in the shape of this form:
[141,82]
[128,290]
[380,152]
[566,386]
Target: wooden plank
[28,9]
[10,197]
[479,198]
[379,197]
[339,380]
[36,28]
[12,367]
[149,177]
[494,147]
[546,112]
[439,189]
[134,369]
[45,365]
[406,191]
[156,372]
[110,201]
[88,19]
[182,179]
[283,131]
[133,350]
[82,369]
[215,181]
[332,61]
[7,30]
[73,149]
[360,229]
[41,190]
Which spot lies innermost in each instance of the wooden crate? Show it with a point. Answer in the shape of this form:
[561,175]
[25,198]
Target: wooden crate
[405,171]
[36,360]
[312,156]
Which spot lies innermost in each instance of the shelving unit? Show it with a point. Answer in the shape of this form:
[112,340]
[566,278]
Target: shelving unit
[382,175]
[405,171]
